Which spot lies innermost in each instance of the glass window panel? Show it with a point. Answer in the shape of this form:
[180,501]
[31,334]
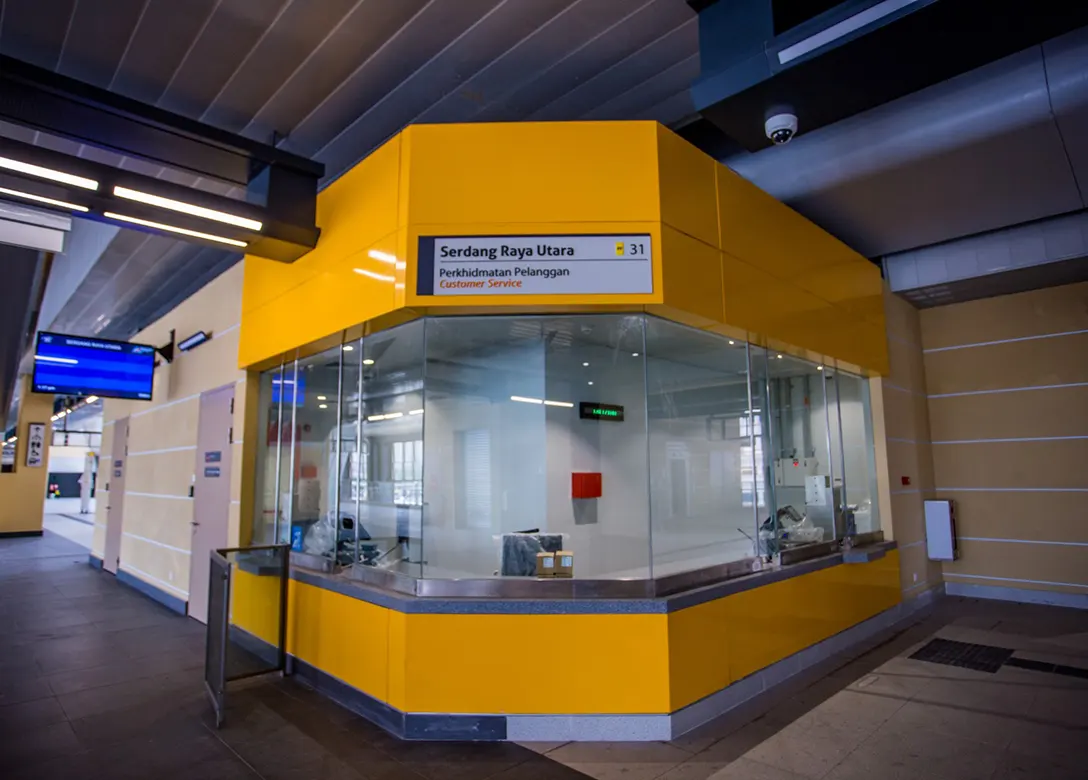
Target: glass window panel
[859,458]
[803,463]
[352,459]
[763,451]
[391,499]
[264,507]
[702,477]
[284,393]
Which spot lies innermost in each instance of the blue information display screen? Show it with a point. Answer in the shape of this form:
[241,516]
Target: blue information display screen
[77,365]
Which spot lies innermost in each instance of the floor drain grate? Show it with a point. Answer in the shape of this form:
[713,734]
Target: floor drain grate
[982,658]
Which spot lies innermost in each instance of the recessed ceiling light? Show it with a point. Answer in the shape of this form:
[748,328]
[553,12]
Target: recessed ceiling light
[175,229]
[372,275]
[525,400]
[322,406]
[322,398]
[586,365]
[187,208]
[634,354]
[589,383]
[40,199]
[731,342]
[48,173]
[779,357]
[819,368]
[368,361]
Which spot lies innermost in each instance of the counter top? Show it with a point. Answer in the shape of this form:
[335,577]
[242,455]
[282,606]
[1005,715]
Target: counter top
[347,586]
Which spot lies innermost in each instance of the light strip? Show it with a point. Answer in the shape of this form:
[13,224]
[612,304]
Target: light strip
[90,399]
[524,400]
[564,404]
[372,275]
[48,359]
[842,29]
[382,257]
[48,173]
[41,199]
[175,229]
[187,208]
[416,411]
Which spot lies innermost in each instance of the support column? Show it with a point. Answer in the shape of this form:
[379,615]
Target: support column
[22,492]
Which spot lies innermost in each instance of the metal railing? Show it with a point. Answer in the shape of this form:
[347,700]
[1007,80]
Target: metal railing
[247,617]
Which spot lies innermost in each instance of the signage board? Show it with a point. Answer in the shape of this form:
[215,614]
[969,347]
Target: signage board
[211,472]
[213,456]
[589,410]
[608,264]
[35,445]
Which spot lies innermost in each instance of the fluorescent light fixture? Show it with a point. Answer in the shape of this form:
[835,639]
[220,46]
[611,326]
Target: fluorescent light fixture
[47,359]
[90,399]
[193,341]
[845,27]
[585,365]
[349,348]
[174,229]
[40,199]
[779,357]
[564,404]
[416,411]
[634,354]
[394,415]
[372,275]
[368,361]
[731,342]
[390,416]
[322,406]
[375,417]
[187,208]
[382,257]
[54,418]
[48,173]
[589,383]
[322,398]
[523,400]
[819,368]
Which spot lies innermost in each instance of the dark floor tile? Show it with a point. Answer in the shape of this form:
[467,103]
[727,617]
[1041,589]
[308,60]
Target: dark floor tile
[17,691]
[166,691]
[540,768]
[30,715]
[26,748]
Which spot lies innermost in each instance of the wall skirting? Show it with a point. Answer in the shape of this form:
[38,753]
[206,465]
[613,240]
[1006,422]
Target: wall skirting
[168,600]
[94,561]
[18,534]
[1022,595]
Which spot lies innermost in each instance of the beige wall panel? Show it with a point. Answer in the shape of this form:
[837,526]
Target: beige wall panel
[165,473]
[1061,411]
[1039,562]
[216,308]
[1052,310]
[98,540]
[902,319]
[907,518]
[234,525]
[1020,464]
[912,562]
[906,416]
[160,519]
[908,368]
[1033,516]
[1055,361]
[164,426]
[998,583]
[211,365]
[165,569]
[907,459]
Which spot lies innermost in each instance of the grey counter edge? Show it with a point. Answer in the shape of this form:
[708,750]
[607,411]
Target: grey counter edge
[415,605]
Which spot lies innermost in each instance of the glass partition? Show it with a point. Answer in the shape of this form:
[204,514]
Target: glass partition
[461,447]
[701,458]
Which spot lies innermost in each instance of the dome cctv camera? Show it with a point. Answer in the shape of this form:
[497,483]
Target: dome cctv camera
[781,128]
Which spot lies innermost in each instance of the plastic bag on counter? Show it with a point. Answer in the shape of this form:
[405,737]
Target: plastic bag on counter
[320,538]
[804,532]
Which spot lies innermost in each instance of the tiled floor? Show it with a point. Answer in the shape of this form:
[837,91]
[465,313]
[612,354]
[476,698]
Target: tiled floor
[886,716]
[75,528]
[97,681]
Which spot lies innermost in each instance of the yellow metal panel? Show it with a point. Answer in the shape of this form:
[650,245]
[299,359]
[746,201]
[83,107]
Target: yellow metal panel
[342,636]
[699,639]
[253,601]
[398,659]
[602,663]
[687,178]
[541,172]
[692,279]
[22,491]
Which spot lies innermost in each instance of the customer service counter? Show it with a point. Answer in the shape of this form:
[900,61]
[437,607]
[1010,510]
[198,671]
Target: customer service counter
[567,425]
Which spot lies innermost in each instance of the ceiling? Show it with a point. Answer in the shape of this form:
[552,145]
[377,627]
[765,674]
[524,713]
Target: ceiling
[331,80]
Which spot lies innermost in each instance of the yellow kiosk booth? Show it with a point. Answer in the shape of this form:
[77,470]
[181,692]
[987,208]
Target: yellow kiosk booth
[569,428]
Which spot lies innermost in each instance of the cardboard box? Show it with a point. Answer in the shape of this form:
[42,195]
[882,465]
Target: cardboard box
[564,563]
[545,564]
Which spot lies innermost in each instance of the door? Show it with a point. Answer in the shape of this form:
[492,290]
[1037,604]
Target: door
[115,487]
[211,496]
